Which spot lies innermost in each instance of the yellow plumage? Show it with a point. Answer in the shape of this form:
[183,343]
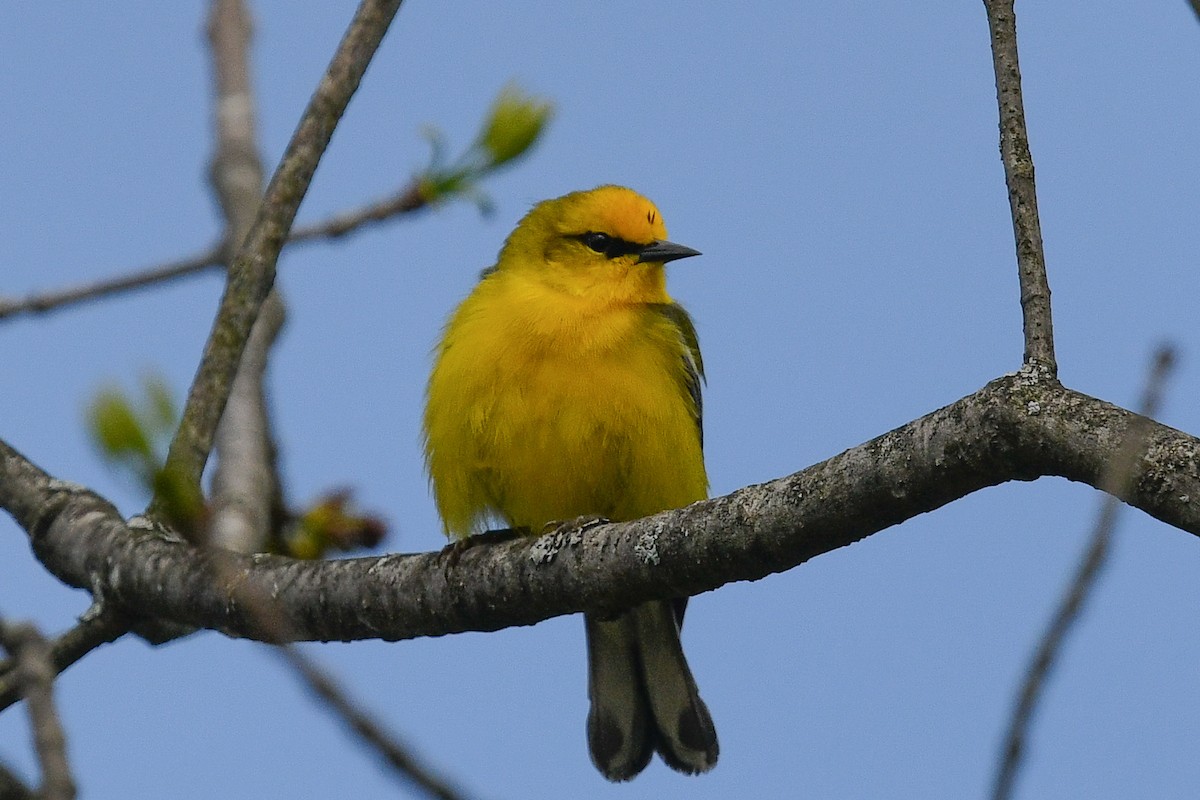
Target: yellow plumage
[567,385]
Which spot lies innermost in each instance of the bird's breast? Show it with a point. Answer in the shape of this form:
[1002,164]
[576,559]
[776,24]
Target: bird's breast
[573,414]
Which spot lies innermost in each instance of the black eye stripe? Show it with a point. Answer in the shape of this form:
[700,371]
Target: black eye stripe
[610,246]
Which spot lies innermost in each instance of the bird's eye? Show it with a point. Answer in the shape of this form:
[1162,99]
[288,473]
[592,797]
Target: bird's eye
[600,242]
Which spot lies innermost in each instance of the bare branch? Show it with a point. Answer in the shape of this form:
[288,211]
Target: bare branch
[1117,481]
[1022,193]
[1018,427]
[246,486]
[236,174]
[273,627]
[93,631]
[236,170]
[48,301]
[366,728]
[245,482]
[36,675]
[404,201]
[252,272]
[12,787]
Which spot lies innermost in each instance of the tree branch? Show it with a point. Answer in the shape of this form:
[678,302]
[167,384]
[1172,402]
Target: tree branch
[252,272]
[36,676]
[236,171]
[1022,193]
[245,481]
[405,200]
[245,492]
[272,626]
[237,176]
[1019,427]
[94,630]
[42,302]
[12,787]
[367,729]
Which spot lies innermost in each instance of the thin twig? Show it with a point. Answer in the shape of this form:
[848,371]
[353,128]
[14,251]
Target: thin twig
[273,627]
[366,728]
[406,200]
[236,171]
[90,633]
[58,298]
[1116,481]
[36,673]
[245,483]
[252,271]
[12,787]
[1022,193]
[246,494]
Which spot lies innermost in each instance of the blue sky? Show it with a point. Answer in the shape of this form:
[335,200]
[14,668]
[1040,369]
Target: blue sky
[837,164]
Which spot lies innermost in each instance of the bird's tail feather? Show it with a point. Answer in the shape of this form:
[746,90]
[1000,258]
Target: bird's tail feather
[643,695]
[620,731]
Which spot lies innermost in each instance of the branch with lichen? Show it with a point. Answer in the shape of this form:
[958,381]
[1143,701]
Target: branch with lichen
[1018,427]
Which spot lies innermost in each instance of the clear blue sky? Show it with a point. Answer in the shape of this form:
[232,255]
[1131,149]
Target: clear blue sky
[837,164]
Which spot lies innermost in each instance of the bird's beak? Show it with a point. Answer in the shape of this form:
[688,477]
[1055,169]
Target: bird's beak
[662,252]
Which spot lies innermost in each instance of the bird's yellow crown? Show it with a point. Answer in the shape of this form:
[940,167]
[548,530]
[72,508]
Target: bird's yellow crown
[615,211]
[591,242]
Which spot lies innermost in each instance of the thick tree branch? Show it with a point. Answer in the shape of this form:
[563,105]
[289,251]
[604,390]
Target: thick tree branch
[252,272]
[1019,427]
[1022,193]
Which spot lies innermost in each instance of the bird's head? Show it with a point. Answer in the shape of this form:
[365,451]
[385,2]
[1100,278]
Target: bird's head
[605,242]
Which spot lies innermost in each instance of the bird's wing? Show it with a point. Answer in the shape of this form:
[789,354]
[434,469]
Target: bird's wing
[693,363]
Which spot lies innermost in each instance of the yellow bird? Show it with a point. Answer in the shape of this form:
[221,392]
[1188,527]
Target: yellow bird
[567,385]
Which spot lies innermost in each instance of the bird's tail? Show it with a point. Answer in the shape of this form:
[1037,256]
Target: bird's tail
[643,696]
